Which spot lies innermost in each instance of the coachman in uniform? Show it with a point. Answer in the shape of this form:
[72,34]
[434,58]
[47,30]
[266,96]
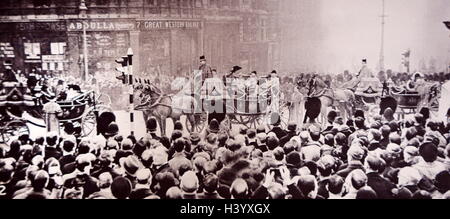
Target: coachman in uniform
[205,68]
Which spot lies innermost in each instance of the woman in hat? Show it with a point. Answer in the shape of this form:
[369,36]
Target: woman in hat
[415,82]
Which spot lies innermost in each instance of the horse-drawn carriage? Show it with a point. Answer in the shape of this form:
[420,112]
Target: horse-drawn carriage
[21,109]
[373,94]
[243,102]
[240,102]
[409,102]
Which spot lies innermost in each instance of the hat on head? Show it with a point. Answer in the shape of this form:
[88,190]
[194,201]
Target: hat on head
[292,126]
[366,193]
[402,193]
[332,115]
[174,193]
[293,159]
[243,130]
[388,114]
[202,58]
[359,113]
[418,75]
[131,165]
[214,126]
[166,179]
[395,138]
[326,161]
[274,72]
[113,129]
[408,176]
[393,148]
[236,68]
[143,175]
[376,125]
[272,142]
[428,151]
[178,126]
[189,182]
[356,153]
[442,181]
[127,144]
[344,128]
[339,120]
[261,129]
[121,187]
[152,124]
[251,133]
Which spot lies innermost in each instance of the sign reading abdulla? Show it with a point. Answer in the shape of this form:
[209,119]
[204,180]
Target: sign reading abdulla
[130,25]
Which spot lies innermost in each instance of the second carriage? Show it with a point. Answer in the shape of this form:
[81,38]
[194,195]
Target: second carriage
[22,109]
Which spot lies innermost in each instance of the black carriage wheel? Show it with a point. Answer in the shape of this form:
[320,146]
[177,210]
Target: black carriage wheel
[89,122]
[196,122]
[14,128]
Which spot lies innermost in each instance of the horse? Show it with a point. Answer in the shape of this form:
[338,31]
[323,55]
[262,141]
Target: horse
[153,102]
[337,98]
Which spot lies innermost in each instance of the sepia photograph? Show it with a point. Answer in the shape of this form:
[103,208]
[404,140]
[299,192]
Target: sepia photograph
[248,100]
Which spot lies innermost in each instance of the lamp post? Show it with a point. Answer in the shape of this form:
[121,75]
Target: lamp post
[83,10]
[447,24]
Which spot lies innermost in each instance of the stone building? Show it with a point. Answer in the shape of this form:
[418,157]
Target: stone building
[167,36]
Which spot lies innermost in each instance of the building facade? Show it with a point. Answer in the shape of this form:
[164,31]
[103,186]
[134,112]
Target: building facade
[167,36]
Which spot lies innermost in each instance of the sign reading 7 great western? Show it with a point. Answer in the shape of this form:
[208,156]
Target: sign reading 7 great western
[167,24]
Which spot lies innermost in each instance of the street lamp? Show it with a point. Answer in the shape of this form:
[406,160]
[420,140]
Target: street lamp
[83,10]
[447,24]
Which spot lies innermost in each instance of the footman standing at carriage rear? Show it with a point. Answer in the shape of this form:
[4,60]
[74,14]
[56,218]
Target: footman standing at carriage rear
[52,111]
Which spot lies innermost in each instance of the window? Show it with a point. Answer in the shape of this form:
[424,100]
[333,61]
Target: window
[42,3]
[58,48]
[32,50]
[101,2]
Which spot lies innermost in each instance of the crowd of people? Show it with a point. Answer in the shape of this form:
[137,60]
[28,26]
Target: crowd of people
[367,157]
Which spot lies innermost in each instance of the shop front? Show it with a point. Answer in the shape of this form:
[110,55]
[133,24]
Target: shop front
[39,47]
[106,41]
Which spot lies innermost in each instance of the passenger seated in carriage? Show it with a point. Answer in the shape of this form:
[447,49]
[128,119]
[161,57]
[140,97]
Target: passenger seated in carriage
[416,81]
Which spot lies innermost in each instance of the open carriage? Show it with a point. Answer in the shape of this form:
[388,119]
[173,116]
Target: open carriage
[409,102]
[20,110]
[244,102]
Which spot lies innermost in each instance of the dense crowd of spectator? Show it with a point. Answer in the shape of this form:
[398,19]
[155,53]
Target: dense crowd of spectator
[368,157]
